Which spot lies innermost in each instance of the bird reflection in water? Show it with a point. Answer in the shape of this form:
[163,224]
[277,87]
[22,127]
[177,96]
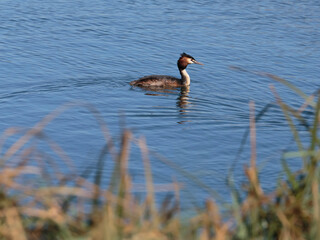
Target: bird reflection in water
[182,103]
[183,99]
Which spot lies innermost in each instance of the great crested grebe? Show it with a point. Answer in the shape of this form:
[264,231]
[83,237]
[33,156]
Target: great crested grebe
[163,80]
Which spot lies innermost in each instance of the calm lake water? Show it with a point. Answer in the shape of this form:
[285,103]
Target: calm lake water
[53,52]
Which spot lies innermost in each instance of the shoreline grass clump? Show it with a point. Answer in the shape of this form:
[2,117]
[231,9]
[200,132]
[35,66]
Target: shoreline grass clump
[65,205]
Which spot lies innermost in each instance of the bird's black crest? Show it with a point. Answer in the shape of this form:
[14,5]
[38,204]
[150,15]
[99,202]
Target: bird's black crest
[186,55]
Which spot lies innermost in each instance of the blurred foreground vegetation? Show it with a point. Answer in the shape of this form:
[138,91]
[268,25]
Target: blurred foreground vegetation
[37,203]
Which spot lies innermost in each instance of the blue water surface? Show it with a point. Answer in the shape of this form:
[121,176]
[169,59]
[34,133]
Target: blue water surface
[53,52]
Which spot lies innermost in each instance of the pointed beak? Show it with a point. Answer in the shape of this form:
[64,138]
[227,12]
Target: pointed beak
[196,62]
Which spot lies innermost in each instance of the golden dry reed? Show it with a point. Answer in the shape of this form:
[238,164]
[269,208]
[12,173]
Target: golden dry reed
[43,197]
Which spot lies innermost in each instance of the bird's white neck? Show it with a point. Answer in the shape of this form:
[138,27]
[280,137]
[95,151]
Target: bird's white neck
[185,78]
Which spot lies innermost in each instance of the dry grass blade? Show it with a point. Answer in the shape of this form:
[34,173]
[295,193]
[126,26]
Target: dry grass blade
[253,135]
[278,79]
[290,85]
[252,172]
[49,118]
[15,229]
[289,120]
[290,211]
[257,118]
[149,181]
